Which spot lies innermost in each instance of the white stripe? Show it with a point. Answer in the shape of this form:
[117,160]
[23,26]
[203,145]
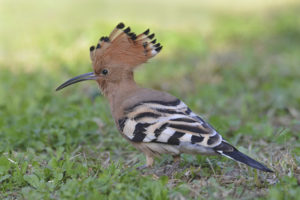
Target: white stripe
[176,116]
[150,131]
[216,144]
[213,133]
[179,107]
[165,135]
[153,52]
[129,128]
[186,138]
[221,152]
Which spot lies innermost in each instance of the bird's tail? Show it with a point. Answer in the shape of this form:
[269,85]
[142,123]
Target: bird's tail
[231,152]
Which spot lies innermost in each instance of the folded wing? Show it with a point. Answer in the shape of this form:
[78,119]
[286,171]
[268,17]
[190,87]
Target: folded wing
[170,123]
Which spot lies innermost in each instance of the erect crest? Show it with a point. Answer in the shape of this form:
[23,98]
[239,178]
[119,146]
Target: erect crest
[124,48]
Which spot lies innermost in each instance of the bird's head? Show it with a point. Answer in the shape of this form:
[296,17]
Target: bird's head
[115,57]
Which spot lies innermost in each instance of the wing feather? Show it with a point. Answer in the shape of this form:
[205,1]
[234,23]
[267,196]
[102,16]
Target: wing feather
[170,123]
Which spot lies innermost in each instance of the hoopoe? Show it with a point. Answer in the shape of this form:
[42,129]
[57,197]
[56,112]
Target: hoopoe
[155,122]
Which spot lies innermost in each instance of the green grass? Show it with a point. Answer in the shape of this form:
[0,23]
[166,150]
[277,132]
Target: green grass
[237,66]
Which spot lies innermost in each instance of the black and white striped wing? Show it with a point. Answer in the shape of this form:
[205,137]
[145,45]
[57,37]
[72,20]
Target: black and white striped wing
[170,123]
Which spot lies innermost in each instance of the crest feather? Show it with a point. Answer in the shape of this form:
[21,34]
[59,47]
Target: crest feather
[124,48]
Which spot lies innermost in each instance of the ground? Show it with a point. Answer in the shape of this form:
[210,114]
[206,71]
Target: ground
[235,64]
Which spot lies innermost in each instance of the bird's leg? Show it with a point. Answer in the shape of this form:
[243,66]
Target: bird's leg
[149,162]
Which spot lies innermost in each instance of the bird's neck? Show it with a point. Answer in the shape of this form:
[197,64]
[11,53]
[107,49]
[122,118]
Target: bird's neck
[117,92]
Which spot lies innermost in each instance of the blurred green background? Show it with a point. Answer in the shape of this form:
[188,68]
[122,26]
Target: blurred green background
[236,63]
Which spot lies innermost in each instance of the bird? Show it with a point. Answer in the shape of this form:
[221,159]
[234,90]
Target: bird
[154,122]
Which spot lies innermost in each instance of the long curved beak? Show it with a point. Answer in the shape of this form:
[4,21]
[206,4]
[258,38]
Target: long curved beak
[82,77]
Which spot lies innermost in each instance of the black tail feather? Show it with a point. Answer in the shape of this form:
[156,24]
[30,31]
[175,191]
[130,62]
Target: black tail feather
[227,150]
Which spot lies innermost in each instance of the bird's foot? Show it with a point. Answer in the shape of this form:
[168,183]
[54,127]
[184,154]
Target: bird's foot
[174,166]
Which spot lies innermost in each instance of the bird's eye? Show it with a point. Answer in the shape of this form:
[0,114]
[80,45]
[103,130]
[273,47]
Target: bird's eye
[104,71]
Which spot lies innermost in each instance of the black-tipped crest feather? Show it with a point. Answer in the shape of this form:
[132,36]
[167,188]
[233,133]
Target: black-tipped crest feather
[106,39]
[157,45]
[120,25]
[153,41]
[159,49]
[151,36]
[127,30]
[146,32]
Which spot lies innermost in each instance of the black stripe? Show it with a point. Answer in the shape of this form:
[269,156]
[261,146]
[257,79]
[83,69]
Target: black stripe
[188,128]
[200,119]
[164,103]
[160,129]
[169,111]
[138,134]
[213,139]
[146,114]
[204,124]
[196,139]
[188,111]
[182,119]
[138,137]
[174,139]
[122,122]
